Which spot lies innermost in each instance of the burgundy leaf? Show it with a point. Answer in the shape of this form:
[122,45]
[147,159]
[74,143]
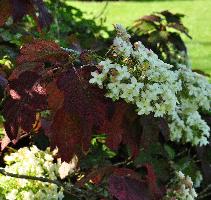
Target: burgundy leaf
[126,184]
[114,126]
[41,56]
[125,188]
[83,101]
[65,133]
[27,97]
[55,96]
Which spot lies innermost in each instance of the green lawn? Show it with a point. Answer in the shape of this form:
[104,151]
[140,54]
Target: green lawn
[198,20]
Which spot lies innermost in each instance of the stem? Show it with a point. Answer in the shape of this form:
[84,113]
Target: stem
[70,189]
[56,19]
[2,171]
[45,180]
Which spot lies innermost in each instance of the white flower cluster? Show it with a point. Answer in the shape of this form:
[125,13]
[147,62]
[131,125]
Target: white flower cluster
[189,127]
[198,89]
[121,43]
[186,123]
[31,162]
[182,189]
[175,93]
[121,85]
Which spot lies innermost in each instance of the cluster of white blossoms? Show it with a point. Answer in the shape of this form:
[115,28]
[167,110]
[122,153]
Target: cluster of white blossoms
[186,123]
[122,43]
[32,162]
[182,189]
[136,75]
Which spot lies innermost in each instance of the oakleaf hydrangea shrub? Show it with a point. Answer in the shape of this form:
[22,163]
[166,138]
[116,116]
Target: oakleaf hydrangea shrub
[136,74]
[31,162]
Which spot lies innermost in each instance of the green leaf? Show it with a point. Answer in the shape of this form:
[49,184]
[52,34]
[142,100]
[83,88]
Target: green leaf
[170,151]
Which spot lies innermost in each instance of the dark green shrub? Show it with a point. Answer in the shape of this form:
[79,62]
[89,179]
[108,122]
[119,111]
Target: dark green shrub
[161,32]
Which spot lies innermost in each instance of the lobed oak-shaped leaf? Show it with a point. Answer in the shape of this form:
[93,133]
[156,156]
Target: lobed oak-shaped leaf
[82,113]
[83,101]
[41,56]
[27,97]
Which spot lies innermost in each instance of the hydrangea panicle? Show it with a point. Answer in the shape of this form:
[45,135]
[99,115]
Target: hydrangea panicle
[173,92]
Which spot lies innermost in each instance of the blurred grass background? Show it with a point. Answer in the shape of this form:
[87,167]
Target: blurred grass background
[197,19]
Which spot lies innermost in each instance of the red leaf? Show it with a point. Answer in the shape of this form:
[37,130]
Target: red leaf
[124,188]
[41,51]
[133,131]
[83,105]
[122,126]
[19,8]
[96,175]
[55,96]
[27,97]
[41,56]
[152,180]
[114,127]
[132,186]
[65,133]
[83,101]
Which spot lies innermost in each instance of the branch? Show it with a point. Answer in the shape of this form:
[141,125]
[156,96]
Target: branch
[68,189]
[45,180]
[2,171]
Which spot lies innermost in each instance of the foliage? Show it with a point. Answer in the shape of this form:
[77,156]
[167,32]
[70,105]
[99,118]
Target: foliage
[67,25]
[71,28]
[85,104]
[161,32]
